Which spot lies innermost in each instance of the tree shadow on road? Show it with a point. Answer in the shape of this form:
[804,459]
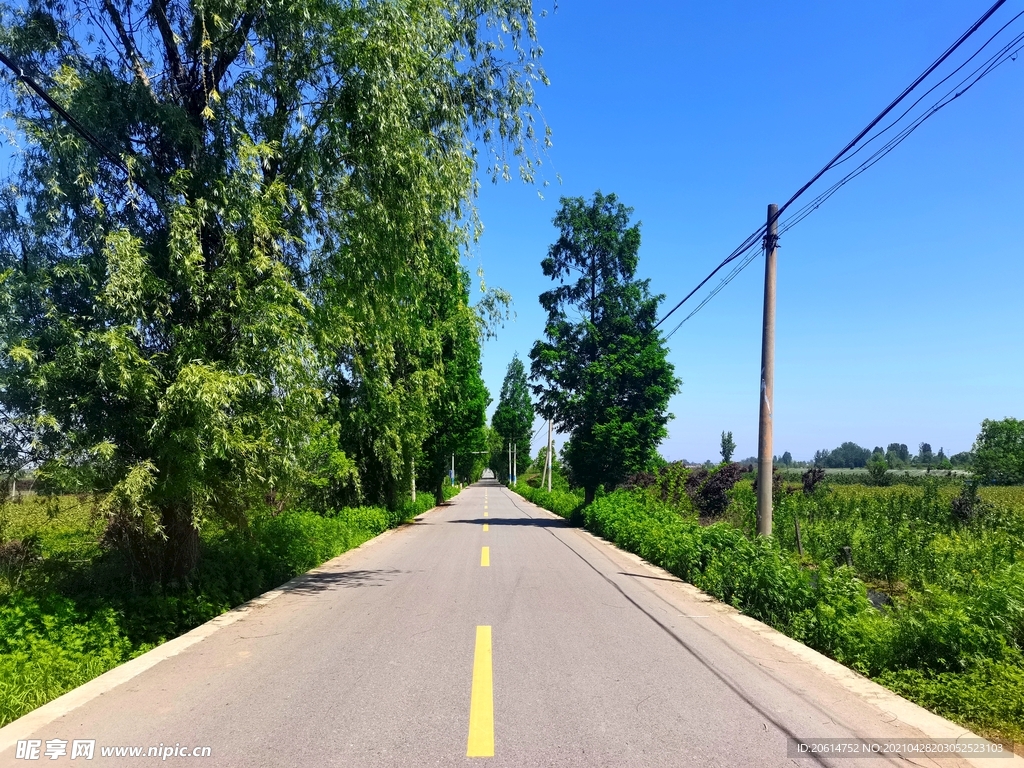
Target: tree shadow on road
[323,581]
[536,522]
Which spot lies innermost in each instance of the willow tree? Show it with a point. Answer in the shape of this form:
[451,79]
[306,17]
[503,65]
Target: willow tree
[183,336]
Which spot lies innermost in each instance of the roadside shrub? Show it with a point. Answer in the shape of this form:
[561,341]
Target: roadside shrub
[989,697]
[711,496]
[563,503]
[811,478]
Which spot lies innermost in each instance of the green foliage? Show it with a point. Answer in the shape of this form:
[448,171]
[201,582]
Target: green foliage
[563,503]
[999,452]
[728,447]
[458,408]
[924,454]
[604,375]
[513,419]
[265,313]
[897,454]
[559,481]
[849,455]
[878,469]
[74,615]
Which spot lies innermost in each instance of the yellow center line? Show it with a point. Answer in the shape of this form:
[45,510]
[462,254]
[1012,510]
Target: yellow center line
[485,513]
[485,557]
[485,527]
[481,699]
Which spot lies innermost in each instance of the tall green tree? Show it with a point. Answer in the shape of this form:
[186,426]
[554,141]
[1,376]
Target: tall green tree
[602,369]
[513,418]
[999,452]
[458,408]
[925,455]
[849,455]
[897,454]
[245,310]
[728,447]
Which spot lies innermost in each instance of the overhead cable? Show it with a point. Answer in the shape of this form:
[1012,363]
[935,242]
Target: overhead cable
[757,235]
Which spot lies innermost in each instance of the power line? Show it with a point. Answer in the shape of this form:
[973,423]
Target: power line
[1007,53]
[80,129]
[923,95]
[752,239]
[751,254]
[906,92]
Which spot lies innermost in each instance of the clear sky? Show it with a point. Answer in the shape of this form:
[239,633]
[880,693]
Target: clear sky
[900,311]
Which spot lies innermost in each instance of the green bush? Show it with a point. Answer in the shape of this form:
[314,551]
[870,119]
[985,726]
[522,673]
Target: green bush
[563,503]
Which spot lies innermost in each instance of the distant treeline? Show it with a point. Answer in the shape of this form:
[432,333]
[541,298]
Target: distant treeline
[849,455]
[997,457]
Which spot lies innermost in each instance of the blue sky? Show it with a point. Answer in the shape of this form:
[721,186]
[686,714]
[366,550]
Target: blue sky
[900,316]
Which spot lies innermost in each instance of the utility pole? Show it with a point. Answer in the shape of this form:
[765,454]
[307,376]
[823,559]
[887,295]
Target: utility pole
[515,462]
[548,462]
[764,426]
[453,469]
[510,461]
[414,480]
[544,472]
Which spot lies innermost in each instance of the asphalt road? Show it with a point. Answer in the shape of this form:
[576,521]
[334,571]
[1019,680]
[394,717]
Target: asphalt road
[547,648]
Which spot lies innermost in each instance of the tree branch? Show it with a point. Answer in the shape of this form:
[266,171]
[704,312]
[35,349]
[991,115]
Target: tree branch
[227,57]
[131,51]
[159,10]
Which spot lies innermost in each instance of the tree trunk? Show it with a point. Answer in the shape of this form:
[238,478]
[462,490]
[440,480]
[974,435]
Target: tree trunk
[181,550]
[588,495]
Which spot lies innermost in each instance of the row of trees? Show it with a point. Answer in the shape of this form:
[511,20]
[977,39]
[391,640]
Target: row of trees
[849,455]
[997,455]
[269,308]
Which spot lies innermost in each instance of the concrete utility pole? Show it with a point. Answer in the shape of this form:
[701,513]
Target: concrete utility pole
[543,472]
[515,462]
[548,462]
[414,480]
[453,469]
[764,426]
